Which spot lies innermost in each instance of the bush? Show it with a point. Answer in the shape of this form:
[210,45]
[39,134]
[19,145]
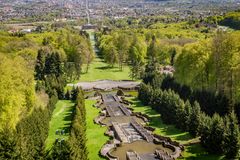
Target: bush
[120,93]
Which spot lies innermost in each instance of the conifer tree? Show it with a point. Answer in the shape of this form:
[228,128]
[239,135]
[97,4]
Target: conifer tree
[68,95]
[7,145]
[215,142]
[40,65]
[186,117]
[232,140]
[195,119]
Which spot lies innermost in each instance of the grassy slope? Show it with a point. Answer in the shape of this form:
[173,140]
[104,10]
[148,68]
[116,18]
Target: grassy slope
[194,151]
[95,133]
[61,119]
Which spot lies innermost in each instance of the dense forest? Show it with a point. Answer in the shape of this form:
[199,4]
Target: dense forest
[34,71]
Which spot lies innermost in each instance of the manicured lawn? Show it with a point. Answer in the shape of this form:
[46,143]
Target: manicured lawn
[100,70]
[95,133]
[61,120]
[193,151]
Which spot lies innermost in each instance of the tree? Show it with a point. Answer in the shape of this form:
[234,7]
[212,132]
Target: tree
[68,95]
[192,67]
[216,136]
[195,119]
[77,138]
[150,72]
[122,45]
[173,53]
[7,144]
[40,65]
[110,54]
[74,93]
[232,141]
[120,92]
[225,58]
[137,54]
[59,151]
[152,50]
[185,116]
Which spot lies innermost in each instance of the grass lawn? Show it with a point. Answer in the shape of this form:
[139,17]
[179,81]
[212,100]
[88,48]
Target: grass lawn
[95,133]
[61,119]
[192,152]
[100,70]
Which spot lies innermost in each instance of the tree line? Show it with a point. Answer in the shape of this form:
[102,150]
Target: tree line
[133,48]
[219,135]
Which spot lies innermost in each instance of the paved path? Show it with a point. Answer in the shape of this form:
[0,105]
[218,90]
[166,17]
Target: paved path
[107,85]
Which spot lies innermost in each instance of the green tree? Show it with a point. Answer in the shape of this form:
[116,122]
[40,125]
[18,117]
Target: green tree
[195,120]
[232,140]
[137,54]
[40,64]
[7,144]
[122,45]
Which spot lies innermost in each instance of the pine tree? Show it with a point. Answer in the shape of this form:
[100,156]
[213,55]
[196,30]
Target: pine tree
[74,93]
[40,64]
[59,151]
[152,50]
[205,129]
[216,136]
[150,72]
[48,69]
[68,95]
[7,145]
[58,65]
[195,119]
[186,117]
[77,138]
[181,115]
[232,140]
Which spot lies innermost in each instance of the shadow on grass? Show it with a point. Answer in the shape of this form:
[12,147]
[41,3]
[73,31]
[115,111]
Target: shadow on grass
[198,153]
[111,68]
[192,151]
[156,122]
[68,117]
[104,67]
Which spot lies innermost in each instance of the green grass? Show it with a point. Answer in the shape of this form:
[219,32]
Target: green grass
[192,151]
[95,133]
[100,70]
[61,119]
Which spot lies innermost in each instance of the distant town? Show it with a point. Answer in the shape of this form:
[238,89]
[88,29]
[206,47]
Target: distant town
[45,10]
